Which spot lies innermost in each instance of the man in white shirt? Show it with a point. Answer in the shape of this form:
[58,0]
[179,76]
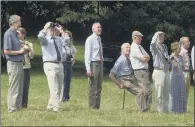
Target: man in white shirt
[94,65]
[193,63]
[139,59]
[185,45]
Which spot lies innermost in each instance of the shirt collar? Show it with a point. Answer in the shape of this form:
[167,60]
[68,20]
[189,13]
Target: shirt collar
[184,50]
[95,35]
[134,43]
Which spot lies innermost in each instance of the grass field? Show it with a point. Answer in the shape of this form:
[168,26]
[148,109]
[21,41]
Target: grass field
[76,111]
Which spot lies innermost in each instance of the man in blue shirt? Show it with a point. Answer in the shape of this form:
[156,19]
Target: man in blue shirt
[51,46]
[15,55]
[122,75]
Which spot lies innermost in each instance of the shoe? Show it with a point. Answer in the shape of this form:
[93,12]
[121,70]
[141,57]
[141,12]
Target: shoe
[56,109]
[24,106]
[49,108]
[64,100]
[14,110]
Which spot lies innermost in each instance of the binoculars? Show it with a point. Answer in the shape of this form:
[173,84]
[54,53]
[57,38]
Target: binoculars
[54,24]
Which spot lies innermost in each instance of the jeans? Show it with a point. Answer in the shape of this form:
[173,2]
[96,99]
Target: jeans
[67,80]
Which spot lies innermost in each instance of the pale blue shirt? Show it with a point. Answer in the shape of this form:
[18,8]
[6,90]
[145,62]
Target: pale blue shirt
[121,67]
[160,54]
[47,45]
[92,50]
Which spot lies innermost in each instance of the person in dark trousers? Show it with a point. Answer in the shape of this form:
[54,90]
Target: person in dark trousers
[94,65]
[68,60]
[27,65]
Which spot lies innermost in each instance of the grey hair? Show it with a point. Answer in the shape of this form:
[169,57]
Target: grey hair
[124,45]
[94,25]
[13,19]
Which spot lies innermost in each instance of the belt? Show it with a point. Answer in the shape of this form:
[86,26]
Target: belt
[158,68]
[16,61]
[186,70]
[140,69]
[96,61]
[51,62]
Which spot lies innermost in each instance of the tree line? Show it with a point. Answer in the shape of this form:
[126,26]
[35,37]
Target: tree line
[118,18]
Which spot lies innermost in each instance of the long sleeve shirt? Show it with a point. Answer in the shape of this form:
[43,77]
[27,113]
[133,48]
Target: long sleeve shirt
[67,49]
[160,55]
[92,50]
[47,45]
[137,52]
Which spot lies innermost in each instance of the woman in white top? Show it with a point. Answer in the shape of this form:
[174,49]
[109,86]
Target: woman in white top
[27,65]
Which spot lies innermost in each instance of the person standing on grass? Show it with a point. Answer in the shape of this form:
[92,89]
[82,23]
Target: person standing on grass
[14,53]
[51,46]
[139,59]
[122,75]
[177,89]
[160,74]
[193,63]
[68,60]
[185,45]
[27,65]
[94,65]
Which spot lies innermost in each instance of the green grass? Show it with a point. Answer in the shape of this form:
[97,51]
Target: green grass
[76,111]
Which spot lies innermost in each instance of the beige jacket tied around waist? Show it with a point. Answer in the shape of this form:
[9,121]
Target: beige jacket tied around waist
[29,55]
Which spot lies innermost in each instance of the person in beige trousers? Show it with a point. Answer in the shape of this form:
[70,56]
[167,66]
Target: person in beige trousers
[160,74]
[51,46]
[14,53]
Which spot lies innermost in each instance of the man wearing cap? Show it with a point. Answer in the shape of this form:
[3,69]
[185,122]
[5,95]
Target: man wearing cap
[160,74]
[185,45]
[139,59]
[51,46]
[15,55]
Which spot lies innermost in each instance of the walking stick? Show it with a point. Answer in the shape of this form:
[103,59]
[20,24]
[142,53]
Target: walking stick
[124,99]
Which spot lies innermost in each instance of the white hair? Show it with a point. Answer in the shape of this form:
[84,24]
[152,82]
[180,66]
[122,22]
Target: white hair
[155,38]
[124,45]
[94,24]
[13,19]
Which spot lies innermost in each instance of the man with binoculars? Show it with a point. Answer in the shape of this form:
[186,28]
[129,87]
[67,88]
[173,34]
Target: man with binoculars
[51,46]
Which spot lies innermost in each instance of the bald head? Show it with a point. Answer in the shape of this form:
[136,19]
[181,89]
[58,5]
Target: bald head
[96,28]
[185,42]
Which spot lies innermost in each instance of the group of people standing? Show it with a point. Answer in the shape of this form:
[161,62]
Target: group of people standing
[171,74]
[58,54]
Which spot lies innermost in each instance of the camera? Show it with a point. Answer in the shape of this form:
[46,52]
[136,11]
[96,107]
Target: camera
[68,57]
[54,24]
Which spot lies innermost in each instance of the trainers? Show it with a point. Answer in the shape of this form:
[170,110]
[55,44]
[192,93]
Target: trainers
[56,109]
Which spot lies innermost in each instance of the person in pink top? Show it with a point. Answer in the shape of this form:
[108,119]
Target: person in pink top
[185,45]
